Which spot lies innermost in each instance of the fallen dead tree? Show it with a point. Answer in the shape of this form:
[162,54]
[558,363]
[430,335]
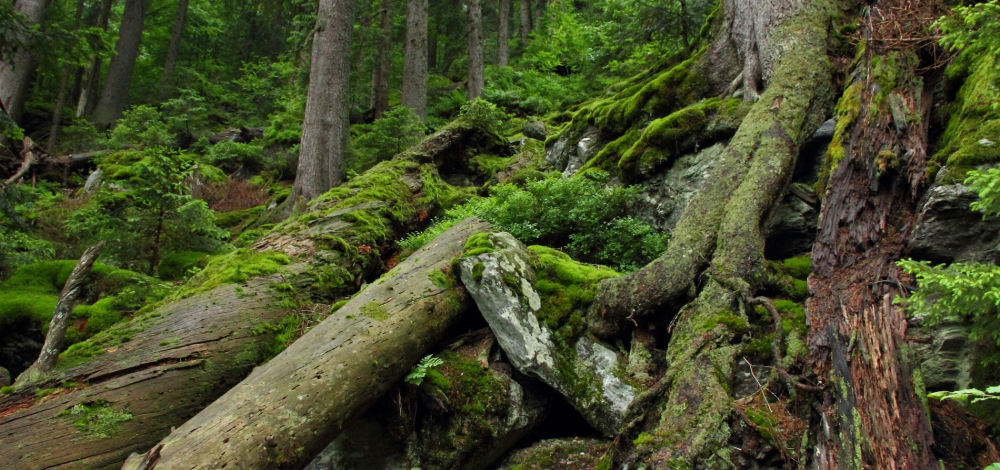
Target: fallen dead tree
[163,367]
[289,409]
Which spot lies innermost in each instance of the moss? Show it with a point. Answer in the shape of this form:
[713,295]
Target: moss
[375,311]
[441,279]
[274,338]
[477,271]
[337,306]
[682,131]
[478,244]
[7,390]
[237,219]
[97,419]
[236,268]
[489,165]
[177,266]
[798,267]
[567,288]
[976,117]
[643,439]
[846,112]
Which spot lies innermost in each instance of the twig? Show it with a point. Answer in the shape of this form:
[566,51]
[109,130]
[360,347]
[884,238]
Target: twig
[761,389]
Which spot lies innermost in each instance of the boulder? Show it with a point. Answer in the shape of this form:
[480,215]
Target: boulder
[584,370]
[534,129]
[948,230]
[947,355]
[562,454]
[462,416]
[4,377]
[570,152]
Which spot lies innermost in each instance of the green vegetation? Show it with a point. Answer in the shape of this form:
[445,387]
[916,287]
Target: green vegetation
[98,419]
[399,130]
[419,371]
[567,288]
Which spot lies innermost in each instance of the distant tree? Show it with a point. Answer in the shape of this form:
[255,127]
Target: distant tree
[174,48]
[114,97]
[415,58]
[16,69]
[383,61]
[475,35]
[503,33]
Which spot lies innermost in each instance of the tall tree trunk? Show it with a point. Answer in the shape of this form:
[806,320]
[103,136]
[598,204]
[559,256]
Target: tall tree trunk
[63,90]
[525,22]
[176,34]
[383,62]
[539,12]
[92,77]
[858,341]
[325,128]
[432,45]
[114,96]
[56,336]
[415,58]
[391,325]
[475,35]
[16,70]
[503,33]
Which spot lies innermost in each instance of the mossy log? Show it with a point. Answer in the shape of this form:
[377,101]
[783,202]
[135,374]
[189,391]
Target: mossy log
[285,413]
[164,366]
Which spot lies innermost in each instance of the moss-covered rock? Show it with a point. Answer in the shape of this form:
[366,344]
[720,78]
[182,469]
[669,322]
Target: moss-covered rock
[534,302]
[559,454]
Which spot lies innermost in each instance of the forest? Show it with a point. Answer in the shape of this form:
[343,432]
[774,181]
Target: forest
[499,235]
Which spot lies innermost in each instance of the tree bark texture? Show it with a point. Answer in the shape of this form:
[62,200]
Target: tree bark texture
[15,71]
[92,76]
[415,58]
[525,22]
[475,36]
[286,412]
[717,253]
[858,340]
[165,366]
[114,96]
[503,34]
[324,129]
[56,336]
[383,63]
[539,12]
[176,34]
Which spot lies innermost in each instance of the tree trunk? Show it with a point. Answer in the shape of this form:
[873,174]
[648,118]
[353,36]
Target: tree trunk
[63,90]
[390,325]
[415,58]
[92,77]
[858,341]
[16,70]
[325,127]
[525,22]
[114,97]
[60,319]
[539,12]
[717,253]
[475,35]
[174,48]
[383,62]
[165,366]
[432,45]
[503,33]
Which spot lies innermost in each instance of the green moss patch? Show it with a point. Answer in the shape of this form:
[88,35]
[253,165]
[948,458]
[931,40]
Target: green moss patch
[375,311]
[567,288]
[177,266]
[236,268]
[98,419]
[976,117]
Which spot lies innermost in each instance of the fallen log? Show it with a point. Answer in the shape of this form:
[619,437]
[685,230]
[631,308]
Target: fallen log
[163,367]
[286,412]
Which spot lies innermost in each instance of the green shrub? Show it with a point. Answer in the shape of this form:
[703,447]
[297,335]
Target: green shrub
[397,131]
[234,156]
[141,126]
[485,115]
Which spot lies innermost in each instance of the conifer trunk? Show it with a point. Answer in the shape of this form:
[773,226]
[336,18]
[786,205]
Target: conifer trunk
[114,97]
[525,22]
[475,36]
[415,58]
[383,62]
[503,33]
[176,34]
[63,91]
[92,76]
[16,70]
[325,127]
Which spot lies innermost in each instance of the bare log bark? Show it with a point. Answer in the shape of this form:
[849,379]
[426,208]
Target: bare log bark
[345,364]
[415,58]
[324,130]
[16,71]
[475,36]
[383,64]
[503,33]
[60,319]
[30,158]
[114,97]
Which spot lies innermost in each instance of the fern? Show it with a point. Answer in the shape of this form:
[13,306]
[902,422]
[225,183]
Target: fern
[416,376]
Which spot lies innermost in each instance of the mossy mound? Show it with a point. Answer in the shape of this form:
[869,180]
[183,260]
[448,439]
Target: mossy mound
[973,134]
[559,454]
[177,266]
[567,288]
[109,295]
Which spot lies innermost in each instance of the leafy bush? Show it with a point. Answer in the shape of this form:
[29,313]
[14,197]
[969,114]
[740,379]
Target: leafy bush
[486,115]
[234,156]
[146,210]
[18,206]
[397,131]
[973,29]
[583,216]
[141,126]
[528,92]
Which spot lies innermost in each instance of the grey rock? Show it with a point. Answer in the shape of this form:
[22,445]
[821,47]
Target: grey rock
[571,152]
[575,454]
[986,142]
[585,373]
[4,377]
[947,355]
[666,195]
[535,130]
[825,131]
[948,230]
[93,181]
[792,229]
[366,445]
